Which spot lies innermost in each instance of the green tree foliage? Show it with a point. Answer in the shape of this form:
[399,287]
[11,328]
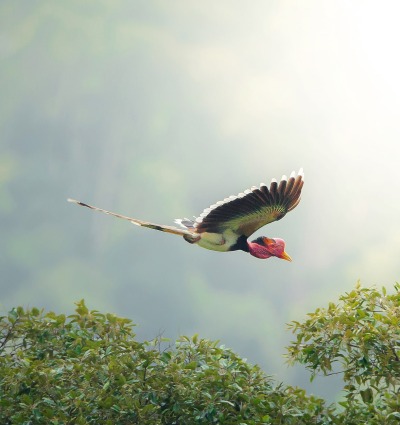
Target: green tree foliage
[359,337]
[89,369]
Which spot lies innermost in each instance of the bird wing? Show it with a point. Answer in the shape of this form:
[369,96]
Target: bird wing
[252,209]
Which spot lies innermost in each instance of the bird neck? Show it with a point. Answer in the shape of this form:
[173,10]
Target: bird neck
[259,251]
[240,244]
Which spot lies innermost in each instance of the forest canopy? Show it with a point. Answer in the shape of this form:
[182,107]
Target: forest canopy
[89,367]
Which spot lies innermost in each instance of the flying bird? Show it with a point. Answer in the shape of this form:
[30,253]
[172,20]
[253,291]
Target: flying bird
[226,225]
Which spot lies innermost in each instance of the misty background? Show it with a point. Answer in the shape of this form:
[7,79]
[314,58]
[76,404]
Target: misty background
[159,109]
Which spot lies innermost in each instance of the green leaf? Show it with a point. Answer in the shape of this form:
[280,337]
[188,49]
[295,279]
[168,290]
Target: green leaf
[367,395]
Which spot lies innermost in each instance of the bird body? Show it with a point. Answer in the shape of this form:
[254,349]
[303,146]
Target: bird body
[221,242]
[226,225]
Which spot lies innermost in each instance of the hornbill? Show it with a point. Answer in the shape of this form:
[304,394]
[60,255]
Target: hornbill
[226,225]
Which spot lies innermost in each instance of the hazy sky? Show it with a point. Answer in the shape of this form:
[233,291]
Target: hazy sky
[158,110]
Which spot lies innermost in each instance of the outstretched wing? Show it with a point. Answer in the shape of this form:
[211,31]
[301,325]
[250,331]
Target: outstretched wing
[256,207]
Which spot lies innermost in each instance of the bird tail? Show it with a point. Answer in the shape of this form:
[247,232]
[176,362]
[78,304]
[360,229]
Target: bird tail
[162,228]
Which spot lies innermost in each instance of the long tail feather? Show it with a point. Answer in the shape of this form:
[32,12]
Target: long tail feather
[162,228]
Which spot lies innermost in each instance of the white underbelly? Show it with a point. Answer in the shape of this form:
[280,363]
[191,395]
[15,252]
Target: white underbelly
[217,241]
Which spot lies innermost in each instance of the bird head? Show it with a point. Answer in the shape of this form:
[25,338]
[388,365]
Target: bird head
[264,247]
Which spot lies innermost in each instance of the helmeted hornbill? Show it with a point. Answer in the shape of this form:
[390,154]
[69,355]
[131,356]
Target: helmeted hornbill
[226,225]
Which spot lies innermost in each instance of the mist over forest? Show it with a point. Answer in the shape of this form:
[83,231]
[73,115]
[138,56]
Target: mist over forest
[159,109]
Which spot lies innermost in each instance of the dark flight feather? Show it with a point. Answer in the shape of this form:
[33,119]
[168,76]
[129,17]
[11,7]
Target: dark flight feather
[252,209]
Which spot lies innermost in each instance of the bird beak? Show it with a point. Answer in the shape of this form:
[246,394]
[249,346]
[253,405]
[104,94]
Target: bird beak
[285,256]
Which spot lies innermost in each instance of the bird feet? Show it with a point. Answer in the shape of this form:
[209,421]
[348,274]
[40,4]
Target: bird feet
[192,239]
